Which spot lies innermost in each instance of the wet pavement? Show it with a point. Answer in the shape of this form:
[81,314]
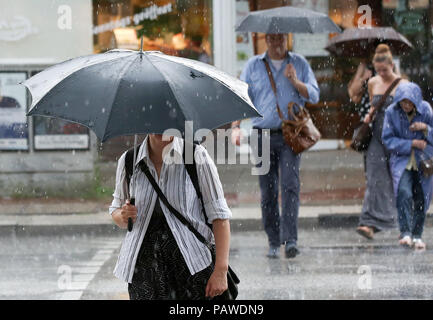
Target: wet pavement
[333,264]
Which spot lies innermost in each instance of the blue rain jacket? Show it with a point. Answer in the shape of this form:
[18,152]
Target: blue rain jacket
[397,137]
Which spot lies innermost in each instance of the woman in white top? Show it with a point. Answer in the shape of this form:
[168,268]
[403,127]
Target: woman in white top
[161,258]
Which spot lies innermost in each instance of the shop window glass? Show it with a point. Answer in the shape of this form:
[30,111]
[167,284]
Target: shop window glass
[13,107]
[175,27]
[57,134]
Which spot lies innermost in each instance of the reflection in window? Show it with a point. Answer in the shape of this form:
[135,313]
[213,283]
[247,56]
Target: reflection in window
[174,27]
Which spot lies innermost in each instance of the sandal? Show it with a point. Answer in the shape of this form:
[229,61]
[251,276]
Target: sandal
[365,231]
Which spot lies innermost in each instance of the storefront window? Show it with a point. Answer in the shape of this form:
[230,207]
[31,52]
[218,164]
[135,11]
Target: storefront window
[57,134]
[175,27]
[244,41]
[13,107]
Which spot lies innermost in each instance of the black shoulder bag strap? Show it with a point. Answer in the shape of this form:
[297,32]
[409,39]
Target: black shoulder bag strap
[274,87]
[176,213]
[191,169]
[382,100]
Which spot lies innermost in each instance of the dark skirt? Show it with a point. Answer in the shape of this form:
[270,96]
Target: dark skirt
[379,210]
[160,271]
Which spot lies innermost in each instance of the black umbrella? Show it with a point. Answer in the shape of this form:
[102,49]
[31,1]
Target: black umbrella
[124,92]
[287,20]
[355,42]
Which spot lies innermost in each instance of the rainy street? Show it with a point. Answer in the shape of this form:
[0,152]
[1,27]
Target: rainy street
[173,141]
[333,264]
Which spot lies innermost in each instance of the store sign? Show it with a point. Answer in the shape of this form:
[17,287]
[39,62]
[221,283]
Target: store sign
[408,22]
[13,121]
[61,141]
[413,4]
[16,28]
[150,13]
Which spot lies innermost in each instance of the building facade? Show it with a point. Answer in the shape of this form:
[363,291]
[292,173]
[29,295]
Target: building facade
[38,155]
[41,154]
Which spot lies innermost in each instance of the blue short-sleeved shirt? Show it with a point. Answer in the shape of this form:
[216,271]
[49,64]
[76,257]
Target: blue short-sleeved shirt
[260,90]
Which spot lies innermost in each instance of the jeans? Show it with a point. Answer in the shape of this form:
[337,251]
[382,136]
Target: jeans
[280,229]
[410,204]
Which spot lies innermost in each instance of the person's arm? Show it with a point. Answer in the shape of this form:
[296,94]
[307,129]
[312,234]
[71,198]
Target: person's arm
[218,214]
[301,88]
[217,283]
[120,208]
[427,126]
[236,133]
[306,85]
[369,117]
[355,88]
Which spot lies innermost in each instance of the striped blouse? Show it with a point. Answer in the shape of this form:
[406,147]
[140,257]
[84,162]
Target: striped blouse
[176,185]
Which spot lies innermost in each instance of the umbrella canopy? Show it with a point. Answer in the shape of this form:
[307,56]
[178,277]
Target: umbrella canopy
[124,92]
[287,20]
[357,42]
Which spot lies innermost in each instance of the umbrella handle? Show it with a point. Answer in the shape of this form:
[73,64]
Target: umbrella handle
[132,202]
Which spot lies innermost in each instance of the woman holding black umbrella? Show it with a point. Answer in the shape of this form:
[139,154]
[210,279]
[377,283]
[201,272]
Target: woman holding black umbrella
[379,208]
[161,258]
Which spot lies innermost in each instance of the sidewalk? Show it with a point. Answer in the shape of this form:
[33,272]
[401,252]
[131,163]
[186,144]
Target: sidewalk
[244,219]
[331,196]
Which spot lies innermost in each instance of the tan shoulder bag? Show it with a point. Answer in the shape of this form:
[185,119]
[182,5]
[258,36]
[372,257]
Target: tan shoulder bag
[300,133]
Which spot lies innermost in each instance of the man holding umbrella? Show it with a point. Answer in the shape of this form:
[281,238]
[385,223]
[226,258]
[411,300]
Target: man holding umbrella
[295,82]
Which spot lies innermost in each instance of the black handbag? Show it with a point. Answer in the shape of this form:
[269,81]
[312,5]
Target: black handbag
[361,137]
[232,279]
[363,133]
[426,166]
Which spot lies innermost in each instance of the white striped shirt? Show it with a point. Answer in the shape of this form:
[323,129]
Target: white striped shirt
[177,187]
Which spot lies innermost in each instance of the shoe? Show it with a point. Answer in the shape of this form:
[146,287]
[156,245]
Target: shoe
[418,244]
[273,253]
[291,252]
[365,231]
[406,241]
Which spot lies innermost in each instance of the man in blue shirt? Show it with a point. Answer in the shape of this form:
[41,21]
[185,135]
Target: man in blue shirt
[295,82]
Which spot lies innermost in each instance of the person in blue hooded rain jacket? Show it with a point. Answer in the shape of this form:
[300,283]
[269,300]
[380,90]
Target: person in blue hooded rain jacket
[408,136]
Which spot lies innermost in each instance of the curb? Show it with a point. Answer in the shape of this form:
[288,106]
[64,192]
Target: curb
[237,225]
[324,221]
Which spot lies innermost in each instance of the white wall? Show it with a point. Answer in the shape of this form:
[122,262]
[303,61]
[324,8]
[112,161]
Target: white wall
[44,31]
[224,20]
